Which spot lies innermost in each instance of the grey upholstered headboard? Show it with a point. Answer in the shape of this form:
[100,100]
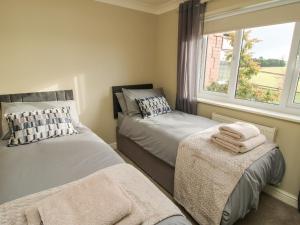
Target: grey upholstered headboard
[38,96]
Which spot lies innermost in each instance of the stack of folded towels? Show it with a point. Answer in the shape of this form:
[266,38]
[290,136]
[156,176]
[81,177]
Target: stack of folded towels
[95,200]
[239,137]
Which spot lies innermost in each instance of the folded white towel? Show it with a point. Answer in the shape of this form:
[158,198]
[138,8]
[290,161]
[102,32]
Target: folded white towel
[95,200]
[240,130]
[238,146]
[33,216]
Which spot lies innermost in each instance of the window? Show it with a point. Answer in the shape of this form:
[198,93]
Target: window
[263,60]
[297,95]
[253,67]
[218,61]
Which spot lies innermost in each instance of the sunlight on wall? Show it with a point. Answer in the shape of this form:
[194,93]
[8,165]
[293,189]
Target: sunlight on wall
[80,92]
[54,87]
[77,83]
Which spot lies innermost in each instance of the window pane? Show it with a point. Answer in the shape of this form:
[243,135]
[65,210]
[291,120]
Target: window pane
[263,62]
[218,61]
[297,96]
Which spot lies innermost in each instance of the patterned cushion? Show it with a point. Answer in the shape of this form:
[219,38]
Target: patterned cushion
[153,106]
[131,95]
[33,126]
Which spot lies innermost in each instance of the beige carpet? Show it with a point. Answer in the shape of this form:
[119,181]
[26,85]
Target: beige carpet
[270,211]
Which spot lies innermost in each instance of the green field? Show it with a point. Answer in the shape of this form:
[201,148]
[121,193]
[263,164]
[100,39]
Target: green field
[270,77]
[280,70]
[273,77]
[297,98]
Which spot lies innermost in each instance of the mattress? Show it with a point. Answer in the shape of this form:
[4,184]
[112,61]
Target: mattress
[120,118]
[31,168]
[161,136]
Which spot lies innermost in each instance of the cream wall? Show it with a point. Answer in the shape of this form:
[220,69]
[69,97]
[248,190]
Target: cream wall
[288,136]
[78,44]
[166,54]
[89,47]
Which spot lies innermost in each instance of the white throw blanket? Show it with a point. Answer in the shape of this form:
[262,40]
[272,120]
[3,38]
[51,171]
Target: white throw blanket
[206,175]
[240,130]
[238,146]
[152,203]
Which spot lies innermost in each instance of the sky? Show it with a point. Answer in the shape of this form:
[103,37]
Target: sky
[275,41]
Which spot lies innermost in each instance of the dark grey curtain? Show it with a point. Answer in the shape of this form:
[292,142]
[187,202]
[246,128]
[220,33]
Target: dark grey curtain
[190,33]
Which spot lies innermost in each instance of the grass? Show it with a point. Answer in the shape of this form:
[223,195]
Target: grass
[273,77]
[297,98]
[270,77]
[280,70]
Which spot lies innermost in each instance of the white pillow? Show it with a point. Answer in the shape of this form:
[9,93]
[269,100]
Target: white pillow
[131,95]
[15,107]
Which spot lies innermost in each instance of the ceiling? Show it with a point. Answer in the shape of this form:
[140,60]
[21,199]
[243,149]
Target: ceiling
[155,2]
[150,6]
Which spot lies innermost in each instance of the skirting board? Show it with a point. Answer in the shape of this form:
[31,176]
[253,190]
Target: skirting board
[113,145]
[282,195]
[275,192]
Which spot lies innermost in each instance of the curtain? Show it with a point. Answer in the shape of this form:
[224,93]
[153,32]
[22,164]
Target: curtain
[190,33]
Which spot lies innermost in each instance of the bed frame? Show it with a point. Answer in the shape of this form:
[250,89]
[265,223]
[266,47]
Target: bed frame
[117,89]
[38,96]
[157,169]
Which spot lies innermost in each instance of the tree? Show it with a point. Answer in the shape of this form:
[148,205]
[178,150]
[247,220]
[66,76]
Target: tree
[248,68]
[271,62]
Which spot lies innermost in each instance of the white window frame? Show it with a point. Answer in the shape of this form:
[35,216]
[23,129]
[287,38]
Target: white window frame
[296,70]
[286,105]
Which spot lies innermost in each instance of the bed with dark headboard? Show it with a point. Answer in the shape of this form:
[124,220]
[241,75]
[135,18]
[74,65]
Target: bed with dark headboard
[147,143]
[116,89]
[152,165]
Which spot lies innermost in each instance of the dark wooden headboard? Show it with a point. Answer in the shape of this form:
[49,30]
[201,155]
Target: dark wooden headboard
[116,89]
[38,96]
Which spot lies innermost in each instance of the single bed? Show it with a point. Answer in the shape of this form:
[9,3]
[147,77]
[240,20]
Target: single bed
[152,144]
[35,167]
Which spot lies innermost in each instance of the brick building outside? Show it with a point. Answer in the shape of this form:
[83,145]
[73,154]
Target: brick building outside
[217,69]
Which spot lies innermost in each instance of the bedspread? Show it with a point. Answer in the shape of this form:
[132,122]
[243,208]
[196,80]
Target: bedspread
[215,172]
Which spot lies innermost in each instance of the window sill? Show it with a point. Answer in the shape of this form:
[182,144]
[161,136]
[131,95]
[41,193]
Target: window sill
[263,112]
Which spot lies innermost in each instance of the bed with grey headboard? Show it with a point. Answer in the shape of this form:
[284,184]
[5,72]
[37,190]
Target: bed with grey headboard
[28,169]
[61,95]
[51,162]
[38,96]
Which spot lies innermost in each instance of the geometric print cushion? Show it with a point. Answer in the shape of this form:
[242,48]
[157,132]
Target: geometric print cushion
[153,106]
[29,127]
